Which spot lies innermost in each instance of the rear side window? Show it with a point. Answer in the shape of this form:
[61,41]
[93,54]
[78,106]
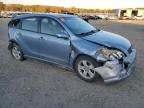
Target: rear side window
[30,24]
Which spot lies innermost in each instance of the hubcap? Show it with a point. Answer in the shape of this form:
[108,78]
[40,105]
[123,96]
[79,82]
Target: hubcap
[85,68]
[16,52]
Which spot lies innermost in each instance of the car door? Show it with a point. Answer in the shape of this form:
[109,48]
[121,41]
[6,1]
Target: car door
[29,38]
[55,49]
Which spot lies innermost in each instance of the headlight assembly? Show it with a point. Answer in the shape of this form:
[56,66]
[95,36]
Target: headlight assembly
[109,54]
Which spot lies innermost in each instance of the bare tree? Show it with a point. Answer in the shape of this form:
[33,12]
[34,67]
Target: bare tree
[46,9]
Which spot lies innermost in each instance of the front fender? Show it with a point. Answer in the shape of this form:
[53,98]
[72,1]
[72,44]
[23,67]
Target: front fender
[82,47]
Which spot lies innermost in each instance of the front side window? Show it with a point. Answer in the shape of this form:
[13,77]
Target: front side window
[51,27]
[30,24]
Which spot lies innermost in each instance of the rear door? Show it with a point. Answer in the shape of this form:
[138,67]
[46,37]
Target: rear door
[28,36]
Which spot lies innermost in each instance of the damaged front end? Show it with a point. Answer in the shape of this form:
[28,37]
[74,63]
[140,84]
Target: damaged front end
[116,65]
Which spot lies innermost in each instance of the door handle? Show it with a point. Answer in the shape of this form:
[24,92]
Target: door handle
[19,34]
[41,38]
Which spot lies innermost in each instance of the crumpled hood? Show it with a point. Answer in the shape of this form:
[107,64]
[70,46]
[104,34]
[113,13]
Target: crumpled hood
[110,40]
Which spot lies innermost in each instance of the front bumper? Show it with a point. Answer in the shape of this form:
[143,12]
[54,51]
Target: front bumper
[114,71]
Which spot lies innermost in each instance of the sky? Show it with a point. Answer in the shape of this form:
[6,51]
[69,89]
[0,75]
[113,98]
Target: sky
[89,4]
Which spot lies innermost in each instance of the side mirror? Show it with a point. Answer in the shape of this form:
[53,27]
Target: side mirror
[98,29]
[64,36]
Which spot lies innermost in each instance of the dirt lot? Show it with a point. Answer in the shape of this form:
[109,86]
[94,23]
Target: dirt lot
[33,84]
[140,22]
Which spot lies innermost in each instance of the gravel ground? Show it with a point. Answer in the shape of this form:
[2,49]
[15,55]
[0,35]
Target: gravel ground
[34,84]
[140,22]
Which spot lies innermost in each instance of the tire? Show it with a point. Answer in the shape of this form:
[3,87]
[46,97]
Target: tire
[84,68]
[16,52]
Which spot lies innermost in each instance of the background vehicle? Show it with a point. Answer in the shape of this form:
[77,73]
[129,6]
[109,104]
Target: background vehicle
[84,17]
[68,13]
[139,17]
[113,17]
[103,16]
[125,17]
[97,17]
[92,17]
[9,14]
[71,42]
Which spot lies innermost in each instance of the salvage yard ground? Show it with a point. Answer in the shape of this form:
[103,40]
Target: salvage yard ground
[140,22]
[34,84]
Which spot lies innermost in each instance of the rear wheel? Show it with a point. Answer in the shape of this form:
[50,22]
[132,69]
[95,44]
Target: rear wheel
[84,66]
[17,52]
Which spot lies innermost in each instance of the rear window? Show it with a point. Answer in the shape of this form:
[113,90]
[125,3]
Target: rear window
[14,24]
[30,24]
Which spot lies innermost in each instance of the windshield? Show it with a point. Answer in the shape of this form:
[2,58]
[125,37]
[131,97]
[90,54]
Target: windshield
[78,26]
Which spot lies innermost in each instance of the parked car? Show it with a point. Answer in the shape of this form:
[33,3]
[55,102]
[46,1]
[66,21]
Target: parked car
[102,16]
[97,17]
[112,17]
[125,17]
[4,15]
[71,42]
[68,13]
[84,17]
[139,17]
[10,15]
[91,17]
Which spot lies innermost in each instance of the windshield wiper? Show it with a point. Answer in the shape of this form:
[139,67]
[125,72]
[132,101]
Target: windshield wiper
[89,32]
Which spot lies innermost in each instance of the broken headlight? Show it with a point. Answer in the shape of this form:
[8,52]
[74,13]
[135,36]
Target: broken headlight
[109,54]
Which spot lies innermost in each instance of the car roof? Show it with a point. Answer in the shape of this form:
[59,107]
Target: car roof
[54,15]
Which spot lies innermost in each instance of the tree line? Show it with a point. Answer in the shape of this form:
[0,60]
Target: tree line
[47,9]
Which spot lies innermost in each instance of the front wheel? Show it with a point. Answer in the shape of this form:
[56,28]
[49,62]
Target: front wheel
[84,68]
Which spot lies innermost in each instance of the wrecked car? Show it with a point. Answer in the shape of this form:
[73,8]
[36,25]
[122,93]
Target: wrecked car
[71,42]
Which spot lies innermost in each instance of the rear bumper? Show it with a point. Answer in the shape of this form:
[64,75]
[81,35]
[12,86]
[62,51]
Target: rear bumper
[112,71]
